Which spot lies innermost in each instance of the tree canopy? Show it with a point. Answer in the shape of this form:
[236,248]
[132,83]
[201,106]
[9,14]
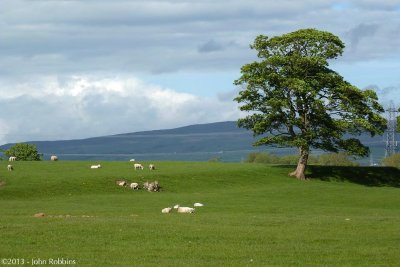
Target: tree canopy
[23,151]
[296,100]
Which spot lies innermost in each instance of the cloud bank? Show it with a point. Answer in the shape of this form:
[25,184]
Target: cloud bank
[77,107]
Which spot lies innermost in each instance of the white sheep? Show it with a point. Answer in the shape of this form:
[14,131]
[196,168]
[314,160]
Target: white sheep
[95,166]
[138,166]
[146,185]
[166,210]
[12,158]
[121,183]
[53,158]
[10,167]
[134,186]
[198,204]
[153,187]
[185,210]
[132,160]
[152,167]
[176,206]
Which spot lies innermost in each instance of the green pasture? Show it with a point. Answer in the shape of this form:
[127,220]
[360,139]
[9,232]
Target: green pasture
[254,215]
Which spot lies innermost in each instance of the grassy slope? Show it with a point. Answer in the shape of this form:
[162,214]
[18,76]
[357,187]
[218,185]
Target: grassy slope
[254,215]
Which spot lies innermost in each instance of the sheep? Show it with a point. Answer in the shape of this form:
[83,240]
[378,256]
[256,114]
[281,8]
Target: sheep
[151,187]
[134,186]
[152,167]
[121,183]
[138,166]
[146,185]
[132,160]
[12,158]
[95,166]
[10,167]
[166,210]
[176,206]
[185,210]
[198,205]
[53,158]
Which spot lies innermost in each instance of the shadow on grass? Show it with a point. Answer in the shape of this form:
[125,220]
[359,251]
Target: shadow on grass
[369,176]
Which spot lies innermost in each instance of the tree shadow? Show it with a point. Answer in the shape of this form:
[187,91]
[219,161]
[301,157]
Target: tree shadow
[368,176]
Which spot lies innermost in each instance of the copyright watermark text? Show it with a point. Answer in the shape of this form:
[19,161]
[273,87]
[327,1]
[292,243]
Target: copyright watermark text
[37,261]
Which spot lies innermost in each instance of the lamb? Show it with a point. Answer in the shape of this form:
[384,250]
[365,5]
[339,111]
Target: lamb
[134,186]
[138,166]
[152,167]
[185,210]
[12,158]
[121,183]
[95,166]
[53,158]
[10,167]
[166,210]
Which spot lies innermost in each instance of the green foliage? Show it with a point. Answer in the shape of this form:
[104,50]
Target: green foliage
[294,98]
[23,151]
[336,159]
[398,124]
[330,159]
[392,161]
[253,215]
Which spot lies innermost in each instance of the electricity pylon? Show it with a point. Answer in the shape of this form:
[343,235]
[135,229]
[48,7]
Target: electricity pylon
[391,142]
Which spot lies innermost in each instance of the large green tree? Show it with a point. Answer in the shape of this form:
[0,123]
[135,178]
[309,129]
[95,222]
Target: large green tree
[23,151]
[295,100]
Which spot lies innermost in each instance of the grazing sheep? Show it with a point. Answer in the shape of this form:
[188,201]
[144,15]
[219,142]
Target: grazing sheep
[146,185]
[166,210]
[134,186]
[138,166]
[95,166]
[152,167]
[121,182]
[53,158]
[132,160]
[185,210]
[152,187]
[10,167]
[198,205]
[12,158]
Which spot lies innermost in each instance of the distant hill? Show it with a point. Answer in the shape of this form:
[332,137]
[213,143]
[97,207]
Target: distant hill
[195,142]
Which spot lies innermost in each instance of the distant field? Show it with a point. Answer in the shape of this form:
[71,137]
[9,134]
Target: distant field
[254,215]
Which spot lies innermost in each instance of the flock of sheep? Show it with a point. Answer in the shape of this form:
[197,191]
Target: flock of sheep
[149,186]
[180,209]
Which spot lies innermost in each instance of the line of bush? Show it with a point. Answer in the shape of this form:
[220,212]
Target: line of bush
[329,159]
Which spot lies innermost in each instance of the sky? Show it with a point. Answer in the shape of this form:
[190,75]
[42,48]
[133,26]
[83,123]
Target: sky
[82,68]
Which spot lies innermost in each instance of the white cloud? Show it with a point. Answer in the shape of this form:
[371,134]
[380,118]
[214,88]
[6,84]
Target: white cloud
[54,108]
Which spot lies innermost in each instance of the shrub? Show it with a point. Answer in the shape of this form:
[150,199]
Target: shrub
[392,161]
[336,159]
[331,159]
[23,151]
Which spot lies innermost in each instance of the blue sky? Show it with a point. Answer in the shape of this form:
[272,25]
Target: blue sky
[82,68]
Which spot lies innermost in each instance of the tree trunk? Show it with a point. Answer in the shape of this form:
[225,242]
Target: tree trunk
[301,165]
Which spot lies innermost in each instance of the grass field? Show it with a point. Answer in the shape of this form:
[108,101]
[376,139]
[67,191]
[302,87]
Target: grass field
[254,215]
